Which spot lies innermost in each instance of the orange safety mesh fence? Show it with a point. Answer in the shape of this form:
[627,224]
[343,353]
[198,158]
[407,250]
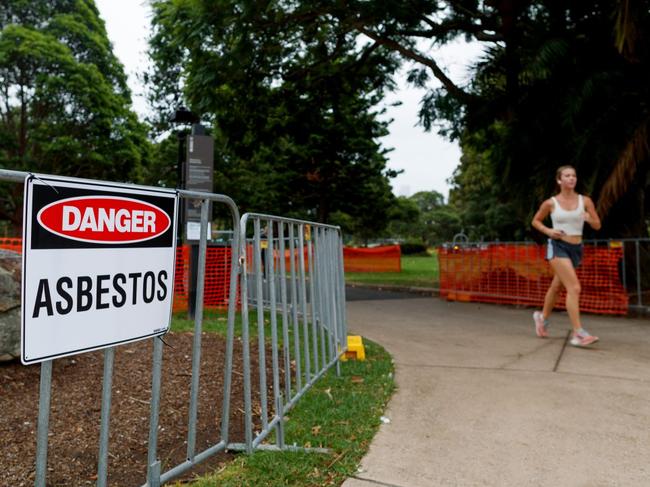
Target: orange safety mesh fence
[375,259]
[217,274]
[15,244]
[217,278]
[250,257]
[519,274]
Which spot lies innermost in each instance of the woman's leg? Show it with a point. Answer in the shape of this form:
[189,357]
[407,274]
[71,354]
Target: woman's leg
[551,296]
[567,275]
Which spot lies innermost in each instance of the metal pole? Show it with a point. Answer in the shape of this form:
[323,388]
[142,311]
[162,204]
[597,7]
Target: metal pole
[198,321]
[261,342]
[327,317]
[248,420]
[270,276]
[102,467]
[153,464]
[322,308]
[232,309]
[624,272]
[303,302]
[180,183]
[332,290]
[638,272]
[294,308]
[285,314]
[279,431]
[45,394]
[342,306]
[312,302]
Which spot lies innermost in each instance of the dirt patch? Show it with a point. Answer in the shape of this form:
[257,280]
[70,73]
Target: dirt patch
[76,408]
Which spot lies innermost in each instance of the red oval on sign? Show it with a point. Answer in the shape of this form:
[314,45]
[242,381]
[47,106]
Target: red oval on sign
[104,219]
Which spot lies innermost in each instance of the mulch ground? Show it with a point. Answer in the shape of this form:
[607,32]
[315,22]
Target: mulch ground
[76,408]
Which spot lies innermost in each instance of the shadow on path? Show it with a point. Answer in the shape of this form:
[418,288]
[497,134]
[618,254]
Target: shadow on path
[354,293]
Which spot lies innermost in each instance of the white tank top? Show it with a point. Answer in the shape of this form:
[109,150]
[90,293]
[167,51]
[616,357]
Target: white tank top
[569,221]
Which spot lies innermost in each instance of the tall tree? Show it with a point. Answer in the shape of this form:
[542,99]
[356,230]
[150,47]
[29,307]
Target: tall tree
[560,82]
[64,104]
[291,98]
[424,217]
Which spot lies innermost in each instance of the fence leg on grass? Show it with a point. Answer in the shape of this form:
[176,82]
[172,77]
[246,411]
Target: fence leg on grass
[279,429]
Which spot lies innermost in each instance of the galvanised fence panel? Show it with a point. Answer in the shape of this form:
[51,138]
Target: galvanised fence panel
[292,282]
[155,475]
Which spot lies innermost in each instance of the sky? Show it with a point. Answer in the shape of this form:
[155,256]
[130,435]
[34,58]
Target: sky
[427,159]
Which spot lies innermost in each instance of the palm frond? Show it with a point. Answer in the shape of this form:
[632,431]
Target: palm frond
[618,182]
[544,62]
[625,28]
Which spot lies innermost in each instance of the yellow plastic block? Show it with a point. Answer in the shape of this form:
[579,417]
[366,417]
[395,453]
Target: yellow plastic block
[355,350]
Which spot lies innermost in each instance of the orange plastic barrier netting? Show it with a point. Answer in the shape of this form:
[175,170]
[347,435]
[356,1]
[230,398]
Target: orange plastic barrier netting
[217,274]
[375,259]
[217,278]
[250,258]
[15,244]
[519,274]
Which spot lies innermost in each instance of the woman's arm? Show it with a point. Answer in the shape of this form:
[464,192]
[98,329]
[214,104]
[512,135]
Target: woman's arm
[538,220]
[590,215]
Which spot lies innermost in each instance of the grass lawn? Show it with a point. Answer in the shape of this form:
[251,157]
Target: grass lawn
[417,271]
[341,413]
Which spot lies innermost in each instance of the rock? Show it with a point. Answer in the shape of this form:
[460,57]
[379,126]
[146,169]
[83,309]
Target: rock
[10,280]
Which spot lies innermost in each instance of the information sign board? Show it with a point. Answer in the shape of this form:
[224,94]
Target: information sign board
[199,172]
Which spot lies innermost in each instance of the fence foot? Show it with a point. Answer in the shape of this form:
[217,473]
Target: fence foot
[279,429]
[242,447]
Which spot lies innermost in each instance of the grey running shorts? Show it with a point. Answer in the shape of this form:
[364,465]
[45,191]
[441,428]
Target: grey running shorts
[560,248]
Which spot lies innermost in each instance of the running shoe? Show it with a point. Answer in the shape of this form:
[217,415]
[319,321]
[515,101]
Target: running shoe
[582,338]
[540,325]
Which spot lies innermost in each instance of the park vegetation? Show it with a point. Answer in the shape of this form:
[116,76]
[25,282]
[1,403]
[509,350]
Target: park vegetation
[65,107]
[291,91]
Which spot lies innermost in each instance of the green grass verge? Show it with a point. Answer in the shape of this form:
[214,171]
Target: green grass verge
[417,271]
[341,413]
[214,321]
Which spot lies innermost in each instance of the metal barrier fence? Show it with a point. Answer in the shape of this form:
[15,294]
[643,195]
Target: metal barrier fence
[635,272]
[292,270]
[311,292]
[614,274]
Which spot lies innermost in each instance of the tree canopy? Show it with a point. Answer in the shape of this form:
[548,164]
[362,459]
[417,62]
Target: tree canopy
[292,102]
[559,83]
[424,217]
[64,104]
[290,90]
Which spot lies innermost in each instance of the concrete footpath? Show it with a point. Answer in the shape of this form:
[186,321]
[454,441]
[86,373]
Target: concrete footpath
[481,401]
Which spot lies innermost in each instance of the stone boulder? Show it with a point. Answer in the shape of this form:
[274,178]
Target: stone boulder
[10,280]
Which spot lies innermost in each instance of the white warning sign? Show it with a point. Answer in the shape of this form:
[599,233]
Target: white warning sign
[98,265]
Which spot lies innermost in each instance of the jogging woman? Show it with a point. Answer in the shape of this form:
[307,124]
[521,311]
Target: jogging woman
[569,211]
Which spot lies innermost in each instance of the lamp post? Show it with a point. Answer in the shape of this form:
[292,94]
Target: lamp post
[184,117]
